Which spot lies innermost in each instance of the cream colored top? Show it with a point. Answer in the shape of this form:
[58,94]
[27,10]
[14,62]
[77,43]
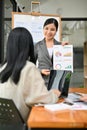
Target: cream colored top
[30,90]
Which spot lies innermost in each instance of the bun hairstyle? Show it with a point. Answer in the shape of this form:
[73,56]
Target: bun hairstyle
[50,21]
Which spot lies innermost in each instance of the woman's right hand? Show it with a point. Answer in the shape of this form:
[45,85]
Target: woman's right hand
[45,72]
[57,92]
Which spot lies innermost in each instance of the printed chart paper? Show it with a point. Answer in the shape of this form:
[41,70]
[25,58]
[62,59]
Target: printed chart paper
[63,57]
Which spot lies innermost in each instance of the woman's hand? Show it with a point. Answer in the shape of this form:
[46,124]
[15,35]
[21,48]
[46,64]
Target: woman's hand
[65,43]
[57,92]
[84,98]
[45,71]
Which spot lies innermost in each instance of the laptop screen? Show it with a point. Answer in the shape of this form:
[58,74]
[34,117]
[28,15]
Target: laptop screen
[64,83]
[60,81]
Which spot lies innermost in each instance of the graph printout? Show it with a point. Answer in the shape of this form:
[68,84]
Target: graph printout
[63,57]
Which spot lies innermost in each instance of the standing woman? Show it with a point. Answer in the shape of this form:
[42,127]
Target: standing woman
[44,51]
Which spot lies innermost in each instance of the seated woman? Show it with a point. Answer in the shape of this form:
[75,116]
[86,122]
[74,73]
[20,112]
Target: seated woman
[20,80]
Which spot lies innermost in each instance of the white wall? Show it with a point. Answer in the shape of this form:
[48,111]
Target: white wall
[67,8]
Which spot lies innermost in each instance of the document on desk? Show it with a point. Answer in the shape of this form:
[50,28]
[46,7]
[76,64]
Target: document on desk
[79,106]
[56,107]
[72,102]
[63,57]
[64,106]
[74,97]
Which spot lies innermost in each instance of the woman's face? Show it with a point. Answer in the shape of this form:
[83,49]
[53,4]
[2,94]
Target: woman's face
[49,31]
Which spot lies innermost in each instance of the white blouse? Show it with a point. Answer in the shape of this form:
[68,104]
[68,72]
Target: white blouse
[50,51]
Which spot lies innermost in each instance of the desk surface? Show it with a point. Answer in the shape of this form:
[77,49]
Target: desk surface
[42,118]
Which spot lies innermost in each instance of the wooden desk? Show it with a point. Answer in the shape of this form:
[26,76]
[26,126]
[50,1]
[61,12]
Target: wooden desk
[43,118]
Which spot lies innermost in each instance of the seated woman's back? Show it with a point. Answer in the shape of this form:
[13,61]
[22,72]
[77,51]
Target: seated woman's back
[20,80]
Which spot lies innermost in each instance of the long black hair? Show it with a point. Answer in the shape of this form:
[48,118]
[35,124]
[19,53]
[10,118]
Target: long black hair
[19,49]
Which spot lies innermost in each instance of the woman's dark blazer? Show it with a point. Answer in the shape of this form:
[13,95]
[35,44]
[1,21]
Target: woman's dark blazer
[44,60]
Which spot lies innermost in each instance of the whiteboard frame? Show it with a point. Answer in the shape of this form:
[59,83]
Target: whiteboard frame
[22,20]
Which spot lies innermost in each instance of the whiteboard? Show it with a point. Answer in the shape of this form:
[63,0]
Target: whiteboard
[34,23]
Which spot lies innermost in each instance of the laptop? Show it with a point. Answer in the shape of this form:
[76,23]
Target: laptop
[64,83]
[61,81]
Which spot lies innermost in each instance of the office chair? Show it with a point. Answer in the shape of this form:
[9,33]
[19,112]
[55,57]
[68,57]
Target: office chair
[10,118]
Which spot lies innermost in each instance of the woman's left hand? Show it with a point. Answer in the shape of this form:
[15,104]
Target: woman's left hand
[84,98]
[65,43]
